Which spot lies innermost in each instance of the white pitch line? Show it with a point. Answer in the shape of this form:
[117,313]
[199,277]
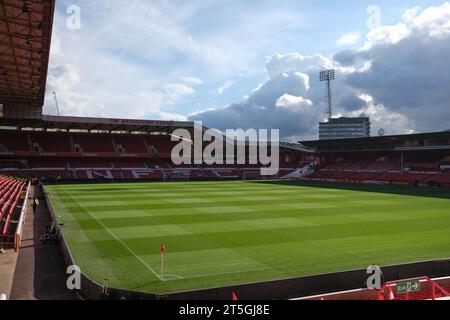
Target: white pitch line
[115,237]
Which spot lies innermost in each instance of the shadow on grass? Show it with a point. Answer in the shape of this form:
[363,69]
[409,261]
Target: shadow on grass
[398,190]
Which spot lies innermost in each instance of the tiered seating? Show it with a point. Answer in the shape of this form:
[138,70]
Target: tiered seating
[441,178]
[145,175]
[422,166]
[157,164]
[226,173]
[47,164]
[382,166]
[337,166]
[129,165]
[356,166]
[319,174]
[89,143]
[340,174]
[50,174]
[52,142]
[403,177]
[14,140]
[128,175]
[10,195]
[163,144]
[365,176]
[98,174]
[132,144]
[91,164]
[10,164]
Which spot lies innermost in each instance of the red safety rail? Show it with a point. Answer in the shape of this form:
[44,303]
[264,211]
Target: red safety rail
[428,290]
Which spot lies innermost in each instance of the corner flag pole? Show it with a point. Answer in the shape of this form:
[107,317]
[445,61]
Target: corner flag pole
[163,250]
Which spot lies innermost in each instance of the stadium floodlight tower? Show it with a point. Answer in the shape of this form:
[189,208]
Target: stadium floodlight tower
[327,76]
[56,103]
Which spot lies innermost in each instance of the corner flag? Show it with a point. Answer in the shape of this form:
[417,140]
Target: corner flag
[390,294]
[163,250]
[234,297]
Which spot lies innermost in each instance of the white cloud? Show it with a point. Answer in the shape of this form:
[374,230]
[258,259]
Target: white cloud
[224,87]
[386,35]
[348,39]
[398,77]
[293,62]
[433,21]
[411,14]
[279,103]
[404,67]
[172,116]
[91,81]
[178,89]
[192,81]
[293,103]
[382,117]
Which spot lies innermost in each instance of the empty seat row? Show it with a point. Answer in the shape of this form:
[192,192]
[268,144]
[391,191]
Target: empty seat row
[10,198]
[20,141]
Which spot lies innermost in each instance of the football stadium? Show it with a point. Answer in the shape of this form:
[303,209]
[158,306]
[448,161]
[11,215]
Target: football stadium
[99,203]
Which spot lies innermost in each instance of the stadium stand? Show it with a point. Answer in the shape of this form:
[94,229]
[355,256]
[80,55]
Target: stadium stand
[130,144]
[415,160]
[440,178]
[101,143]
[139,150]
[14,141]
[11,191]
[50,142]
[160,144]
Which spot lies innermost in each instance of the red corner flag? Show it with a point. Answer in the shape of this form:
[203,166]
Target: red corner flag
[163,250]
[234,297]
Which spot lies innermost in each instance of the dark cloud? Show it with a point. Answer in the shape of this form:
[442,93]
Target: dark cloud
[266,108]
[400,77]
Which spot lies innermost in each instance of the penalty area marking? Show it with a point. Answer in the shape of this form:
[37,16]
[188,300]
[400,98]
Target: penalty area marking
[119,240]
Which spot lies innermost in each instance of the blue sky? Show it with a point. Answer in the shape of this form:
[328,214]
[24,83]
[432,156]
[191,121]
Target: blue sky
[172,59]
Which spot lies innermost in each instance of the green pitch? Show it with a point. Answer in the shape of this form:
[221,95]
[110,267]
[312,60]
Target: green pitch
[227,233]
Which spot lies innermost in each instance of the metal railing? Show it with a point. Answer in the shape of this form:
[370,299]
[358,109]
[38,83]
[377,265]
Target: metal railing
[18,235]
